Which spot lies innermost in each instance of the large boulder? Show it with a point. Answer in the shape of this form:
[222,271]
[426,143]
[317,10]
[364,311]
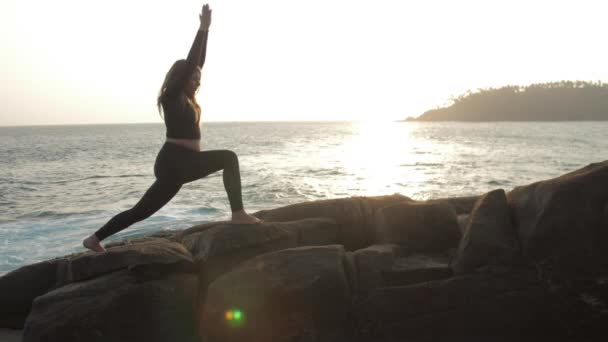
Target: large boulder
[369,264]
[120,306]
[561,221]
[418,226]
[457,309]
[355,216]
[156,251]
[387,265]
[489,237]
[295,294]
[19,288]
[461,205]
[218,249]
[417,268]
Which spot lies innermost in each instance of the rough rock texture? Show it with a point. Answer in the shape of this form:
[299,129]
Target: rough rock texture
[417,268]
[121,306]
[222,247]
[418,226]
[149,251]
[19,288]
[298,294]
[369,264]
[461,205]
[489,237]
[560,221]
[488,306]
[24,284]
[355,216]
[463,220]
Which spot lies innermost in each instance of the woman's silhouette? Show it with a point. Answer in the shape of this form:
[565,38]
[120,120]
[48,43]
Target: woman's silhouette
[181,160]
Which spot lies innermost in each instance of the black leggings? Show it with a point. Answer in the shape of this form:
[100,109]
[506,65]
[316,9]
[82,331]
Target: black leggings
[175,166]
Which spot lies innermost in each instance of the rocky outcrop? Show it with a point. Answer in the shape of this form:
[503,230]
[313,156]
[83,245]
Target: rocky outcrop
[294,294]
[19,288]
[370,263]
[355,216]
[127,305]
[560,222]
[427,227]
[489,236]
[527,265]
[220,248]
[155,251]
[491,306]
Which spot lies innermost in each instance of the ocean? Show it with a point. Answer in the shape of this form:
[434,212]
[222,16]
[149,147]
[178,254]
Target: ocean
[58,184]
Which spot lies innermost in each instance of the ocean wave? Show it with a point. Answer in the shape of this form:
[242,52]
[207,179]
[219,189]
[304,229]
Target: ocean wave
[96,177]
[202,211]
[421,164]
[320,172]
[22,183]
[56,214]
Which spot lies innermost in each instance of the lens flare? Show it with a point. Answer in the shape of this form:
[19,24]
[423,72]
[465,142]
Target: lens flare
[234,315]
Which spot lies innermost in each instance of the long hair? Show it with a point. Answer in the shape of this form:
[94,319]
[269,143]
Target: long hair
[179,71]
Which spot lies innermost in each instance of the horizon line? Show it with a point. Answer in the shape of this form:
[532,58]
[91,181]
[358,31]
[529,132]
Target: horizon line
[159,123]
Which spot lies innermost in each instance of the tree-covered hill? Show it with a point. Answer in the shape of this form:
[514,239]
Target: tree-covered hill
[556,101]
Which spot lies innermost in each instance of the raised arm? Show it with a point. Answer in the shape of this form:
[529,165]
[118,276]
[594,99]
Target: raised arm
[198,51]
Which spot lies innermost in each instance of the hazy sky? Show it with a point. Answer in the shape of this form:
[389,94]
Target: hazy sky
[79,61]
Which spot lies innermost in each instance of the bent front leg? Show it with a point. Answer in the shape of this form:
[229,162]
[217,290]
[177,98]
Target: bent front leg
[208,162]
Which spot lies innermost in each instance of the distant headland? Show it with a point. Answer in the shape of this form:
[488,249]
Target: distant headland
[555,101]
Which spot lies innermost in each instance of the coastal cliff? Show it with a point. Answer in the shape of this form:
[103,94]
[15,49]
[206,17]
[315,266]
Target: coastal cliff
[526,264]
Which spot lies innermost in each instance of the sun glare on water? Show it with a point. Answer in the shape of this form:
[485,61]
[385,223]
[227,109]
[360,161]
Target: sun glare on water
[377,154]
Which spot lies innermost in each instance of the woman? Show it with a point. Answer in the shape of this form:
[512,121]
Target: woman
[181,160]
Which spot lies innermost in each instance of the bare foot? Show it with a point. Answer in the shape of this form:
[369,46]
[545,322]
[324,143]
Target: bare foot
[92,243]
[241,217]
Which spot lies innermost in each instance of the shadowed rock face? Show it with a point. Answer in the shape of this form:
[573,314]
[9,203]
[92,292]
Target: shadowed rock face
[560,222]
[461,205]
[294,294]
[418,226]
[218,249]
[489,236]
[148,251]
[23,285]
[493,306]
[122,306]
[19,288]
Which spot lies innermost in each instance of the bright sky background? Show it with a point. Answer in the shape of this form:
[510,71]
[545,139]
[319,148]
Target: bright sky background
[79,61]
